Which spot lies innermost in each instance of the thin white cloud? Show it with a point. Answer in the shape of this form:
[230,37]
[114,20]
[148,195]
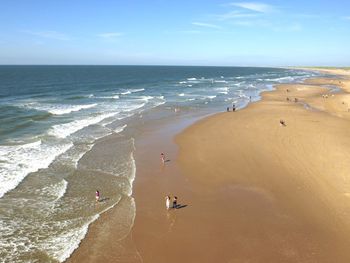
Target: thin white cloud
[346,17]
[295,27]
[261,23]
[234,15]
[48,34]
[110,35]
[191,32]
[255,6]
[205,25]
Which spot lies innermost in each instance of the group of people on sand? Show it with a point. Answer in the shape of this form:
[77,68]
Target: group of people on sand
[168,201]
[168,198]
[288,99]
[233,108]
[295,99]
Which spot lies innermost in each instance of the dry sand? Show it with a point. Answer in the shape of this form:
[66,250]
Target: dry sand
[255,191]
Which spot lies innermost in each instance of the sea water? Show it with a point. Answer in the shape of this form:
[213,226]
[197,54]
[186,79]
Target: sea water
[53,117]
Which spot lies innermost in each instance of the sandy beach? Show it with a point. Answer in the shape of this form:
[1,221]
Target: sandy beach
[251,189]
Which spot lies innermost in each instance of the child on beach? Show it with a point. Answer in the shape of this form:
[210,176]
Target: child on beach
[97,195]
[167,202]
[175,202]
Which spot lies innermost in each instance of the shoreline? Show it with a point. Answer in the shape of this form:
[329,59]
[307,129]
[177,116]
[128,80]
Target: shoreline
[147,239]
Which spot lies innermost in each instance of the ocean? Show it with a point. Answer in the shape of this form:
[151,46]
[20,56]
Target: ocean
[51,119]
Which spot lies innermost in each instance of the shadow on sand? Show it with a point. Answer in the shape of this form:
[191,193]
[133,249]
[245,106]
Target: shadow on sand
[179,206]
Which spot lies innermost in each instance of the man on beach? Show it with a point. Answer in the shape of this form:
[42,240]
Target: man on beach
[97,196]
[175,202]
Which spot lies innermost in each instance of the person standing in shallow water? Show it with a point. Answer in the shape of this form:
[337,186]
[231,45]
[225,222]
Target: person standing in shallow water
[167,202]
[97,196]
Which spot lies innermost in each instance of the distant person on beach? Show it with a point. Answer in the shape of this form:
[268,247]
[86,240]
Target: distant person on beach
[175,202]
[295,99]
[167,202]
[162,157]
[228,109]
[97,196]
[287,90]
[287,99]
[233,107]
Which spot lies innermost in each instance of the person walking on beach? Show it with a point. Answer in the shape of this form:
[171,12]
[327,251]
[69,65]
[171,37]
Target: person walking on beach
[175,202]
[162,157]
[97,196]
[233,107]
[167,202]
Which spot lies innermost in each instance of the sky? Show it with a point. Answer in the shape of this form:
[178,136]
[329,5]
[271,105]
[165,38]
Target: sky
[175,32]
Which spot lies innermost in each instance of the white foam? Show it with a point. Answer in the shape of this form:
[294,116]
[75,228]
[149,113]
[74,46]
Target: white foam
[133,107]
[74,154]
[120,129]
[62,246]
[224,89]
[61,190]
[58,109]
[54,191]
[16,162]
[282,79]
[133,169]
[181,94]
[145,98]
[191,79]
[131,91]
[69,109]
[238,84]
[64,130]
[109,97]
[210,97]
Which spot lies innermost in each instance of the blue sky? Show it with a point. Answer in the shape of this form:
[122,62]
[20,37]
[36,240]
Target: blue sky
[167,32]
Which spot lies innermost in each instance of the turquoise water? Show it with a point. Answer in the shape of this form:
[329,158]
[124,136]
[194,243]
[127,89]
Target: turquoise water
[51,118]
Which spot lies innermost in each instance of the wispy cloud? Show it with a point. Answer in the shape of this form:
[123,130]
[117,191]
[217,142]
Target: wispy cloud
[346,17]
[255,6]
[110,35]
[191,32]
[48,34]
[205,25]
[295,27]
[234,15]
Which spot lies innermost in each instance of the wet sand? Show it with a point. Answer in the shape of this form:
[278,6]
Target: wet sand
[252,189]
